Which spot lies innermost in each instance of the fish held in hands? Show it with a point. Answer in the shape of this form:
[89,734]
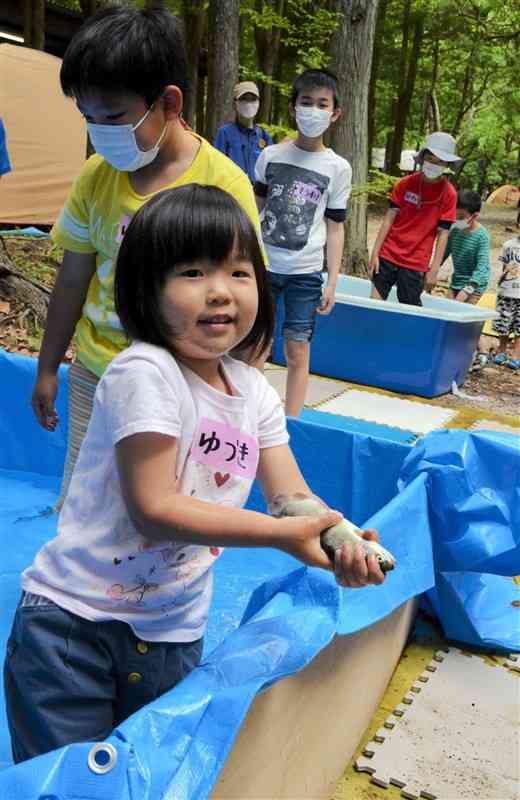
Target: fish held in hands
[332,539]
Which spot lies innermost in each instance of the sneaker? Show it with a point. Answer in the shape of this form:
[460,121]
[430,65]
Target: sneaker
[500,359]
[513,363]
[479,362]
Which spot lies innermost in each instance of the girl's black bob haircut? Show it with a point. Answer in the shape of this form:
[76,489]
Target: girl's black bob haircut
[124,49]
[180,226]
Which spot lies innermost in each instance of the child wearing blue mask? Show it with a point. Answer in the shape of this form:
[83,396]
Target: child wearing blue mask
[126,71]
[114,607]
[302,188]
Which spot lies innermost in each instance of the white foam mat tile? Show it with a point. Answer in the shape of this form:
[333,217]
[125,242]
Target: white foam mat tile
[319,390]
[373,407]
[458,738]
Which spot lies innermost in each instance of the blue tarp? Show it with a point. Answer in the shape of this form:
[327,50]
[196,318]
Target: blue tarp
[473,483]
[176,746]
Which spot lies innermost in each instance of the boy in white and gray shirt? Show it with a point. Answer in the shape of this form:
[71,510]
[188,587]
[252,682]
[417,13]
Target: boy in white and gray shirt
[302,188]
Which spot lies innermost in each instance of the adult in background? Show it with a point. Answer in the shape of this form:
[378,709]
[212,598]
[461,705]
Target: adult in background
[243,141]
[422,209]
[5,164]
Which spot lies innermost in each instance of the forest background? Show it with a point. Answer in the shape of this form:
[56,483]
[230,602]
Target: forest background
[406,68]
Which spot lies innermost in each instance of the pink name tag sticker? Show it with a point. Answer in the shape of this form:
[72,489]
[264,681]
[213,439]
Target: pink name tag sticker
[224,447]
[121,229]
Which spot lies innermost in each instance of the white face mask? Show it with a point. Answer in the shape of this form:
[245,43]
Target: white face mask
[461,224]
[248,109]
[312,122]
[432,170]
[117,144]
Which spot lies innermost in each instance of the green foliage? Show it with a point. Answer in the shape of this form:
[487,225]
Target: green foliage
[476,86]
[279,132]
[476,42]
[251,74]
[379,186]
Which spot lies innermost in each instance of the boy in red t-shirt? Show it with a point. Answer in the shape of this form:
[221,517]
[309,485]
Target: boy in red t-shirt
[422,208]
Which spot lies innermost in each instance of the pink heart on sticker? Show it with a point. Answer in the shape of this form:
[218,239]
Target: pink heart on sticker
[221,479]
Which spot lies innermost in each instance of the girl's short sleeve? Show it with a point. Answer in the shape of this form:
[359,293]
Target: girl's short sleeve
[272,426]
[137,398]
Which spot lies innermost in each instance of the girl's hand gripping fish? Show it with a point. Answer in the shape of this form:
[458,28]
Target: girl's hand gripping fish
[345,532]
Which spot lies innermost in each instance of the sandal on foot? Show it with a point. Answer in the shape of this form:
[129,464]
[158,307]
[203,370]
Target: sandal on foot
[501,358]
[513,363]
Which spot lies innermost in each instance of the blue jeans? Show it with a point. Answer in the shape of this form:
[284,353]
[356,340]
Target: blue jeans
[70,680]
[301,296]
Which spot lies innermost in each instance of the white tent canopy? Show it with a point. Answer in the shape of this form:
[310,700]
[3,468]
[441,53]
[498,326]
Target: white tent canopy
[45,135]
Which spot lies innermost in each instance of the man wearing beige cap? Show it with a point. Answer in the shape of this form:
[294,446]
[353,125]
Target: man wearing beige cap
[243,141]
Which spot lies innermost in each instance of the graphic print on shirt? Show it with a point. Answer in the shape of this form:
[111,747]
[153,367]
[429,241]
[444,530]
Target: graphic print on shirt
[293,197]
[510,258]
[154,564]
[221,465]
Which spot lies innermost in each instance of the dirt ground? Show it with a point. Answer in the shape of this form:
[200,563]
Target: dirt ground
[495,389]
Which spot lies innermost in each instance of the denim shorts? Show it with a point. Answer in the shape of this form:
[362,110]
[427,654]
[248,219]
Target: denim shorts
[301,295]
[69,680]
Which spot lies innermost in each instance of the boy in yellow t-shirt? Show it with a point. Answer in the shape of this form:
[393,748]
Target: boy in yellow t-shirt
[130,92]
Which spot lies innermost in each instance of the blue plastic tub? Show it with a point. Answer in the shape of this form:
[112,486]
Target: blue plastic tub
[391,345]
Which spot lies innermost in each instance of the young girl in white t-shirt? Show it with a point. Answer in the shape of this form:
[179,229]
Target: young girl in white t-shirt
[114,608]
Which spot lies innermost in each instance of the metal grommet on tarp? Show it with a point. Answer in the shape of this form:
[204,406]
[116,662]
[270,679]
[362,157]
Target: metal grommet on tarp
[102,758]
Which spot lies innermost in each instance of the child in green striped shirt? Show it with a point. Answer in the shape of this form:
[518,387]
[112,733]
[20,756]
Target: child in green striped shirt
[468,246]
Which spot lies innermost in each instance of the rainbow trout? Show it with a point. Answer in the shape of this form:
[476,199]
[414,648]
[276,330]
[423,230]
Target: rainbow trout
[301,505]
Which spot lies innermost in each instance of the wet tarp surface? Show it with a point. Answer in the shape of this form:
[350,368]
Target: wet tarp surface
[270,615]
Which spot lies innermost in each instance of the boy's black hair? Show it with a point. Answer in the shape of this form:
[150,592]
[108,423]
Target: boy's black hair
[180,226]
[124,49]
[469,201]
[315,79]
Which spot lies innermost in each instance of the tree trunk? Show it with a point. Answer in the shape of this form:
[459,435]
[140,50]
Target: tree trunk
[34,24]
[351,51]
[466,97]
[223,25]
[27,22]
[408,70]
[374,74]
[433,111]
[194,18]
[267,51]
[200,121]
